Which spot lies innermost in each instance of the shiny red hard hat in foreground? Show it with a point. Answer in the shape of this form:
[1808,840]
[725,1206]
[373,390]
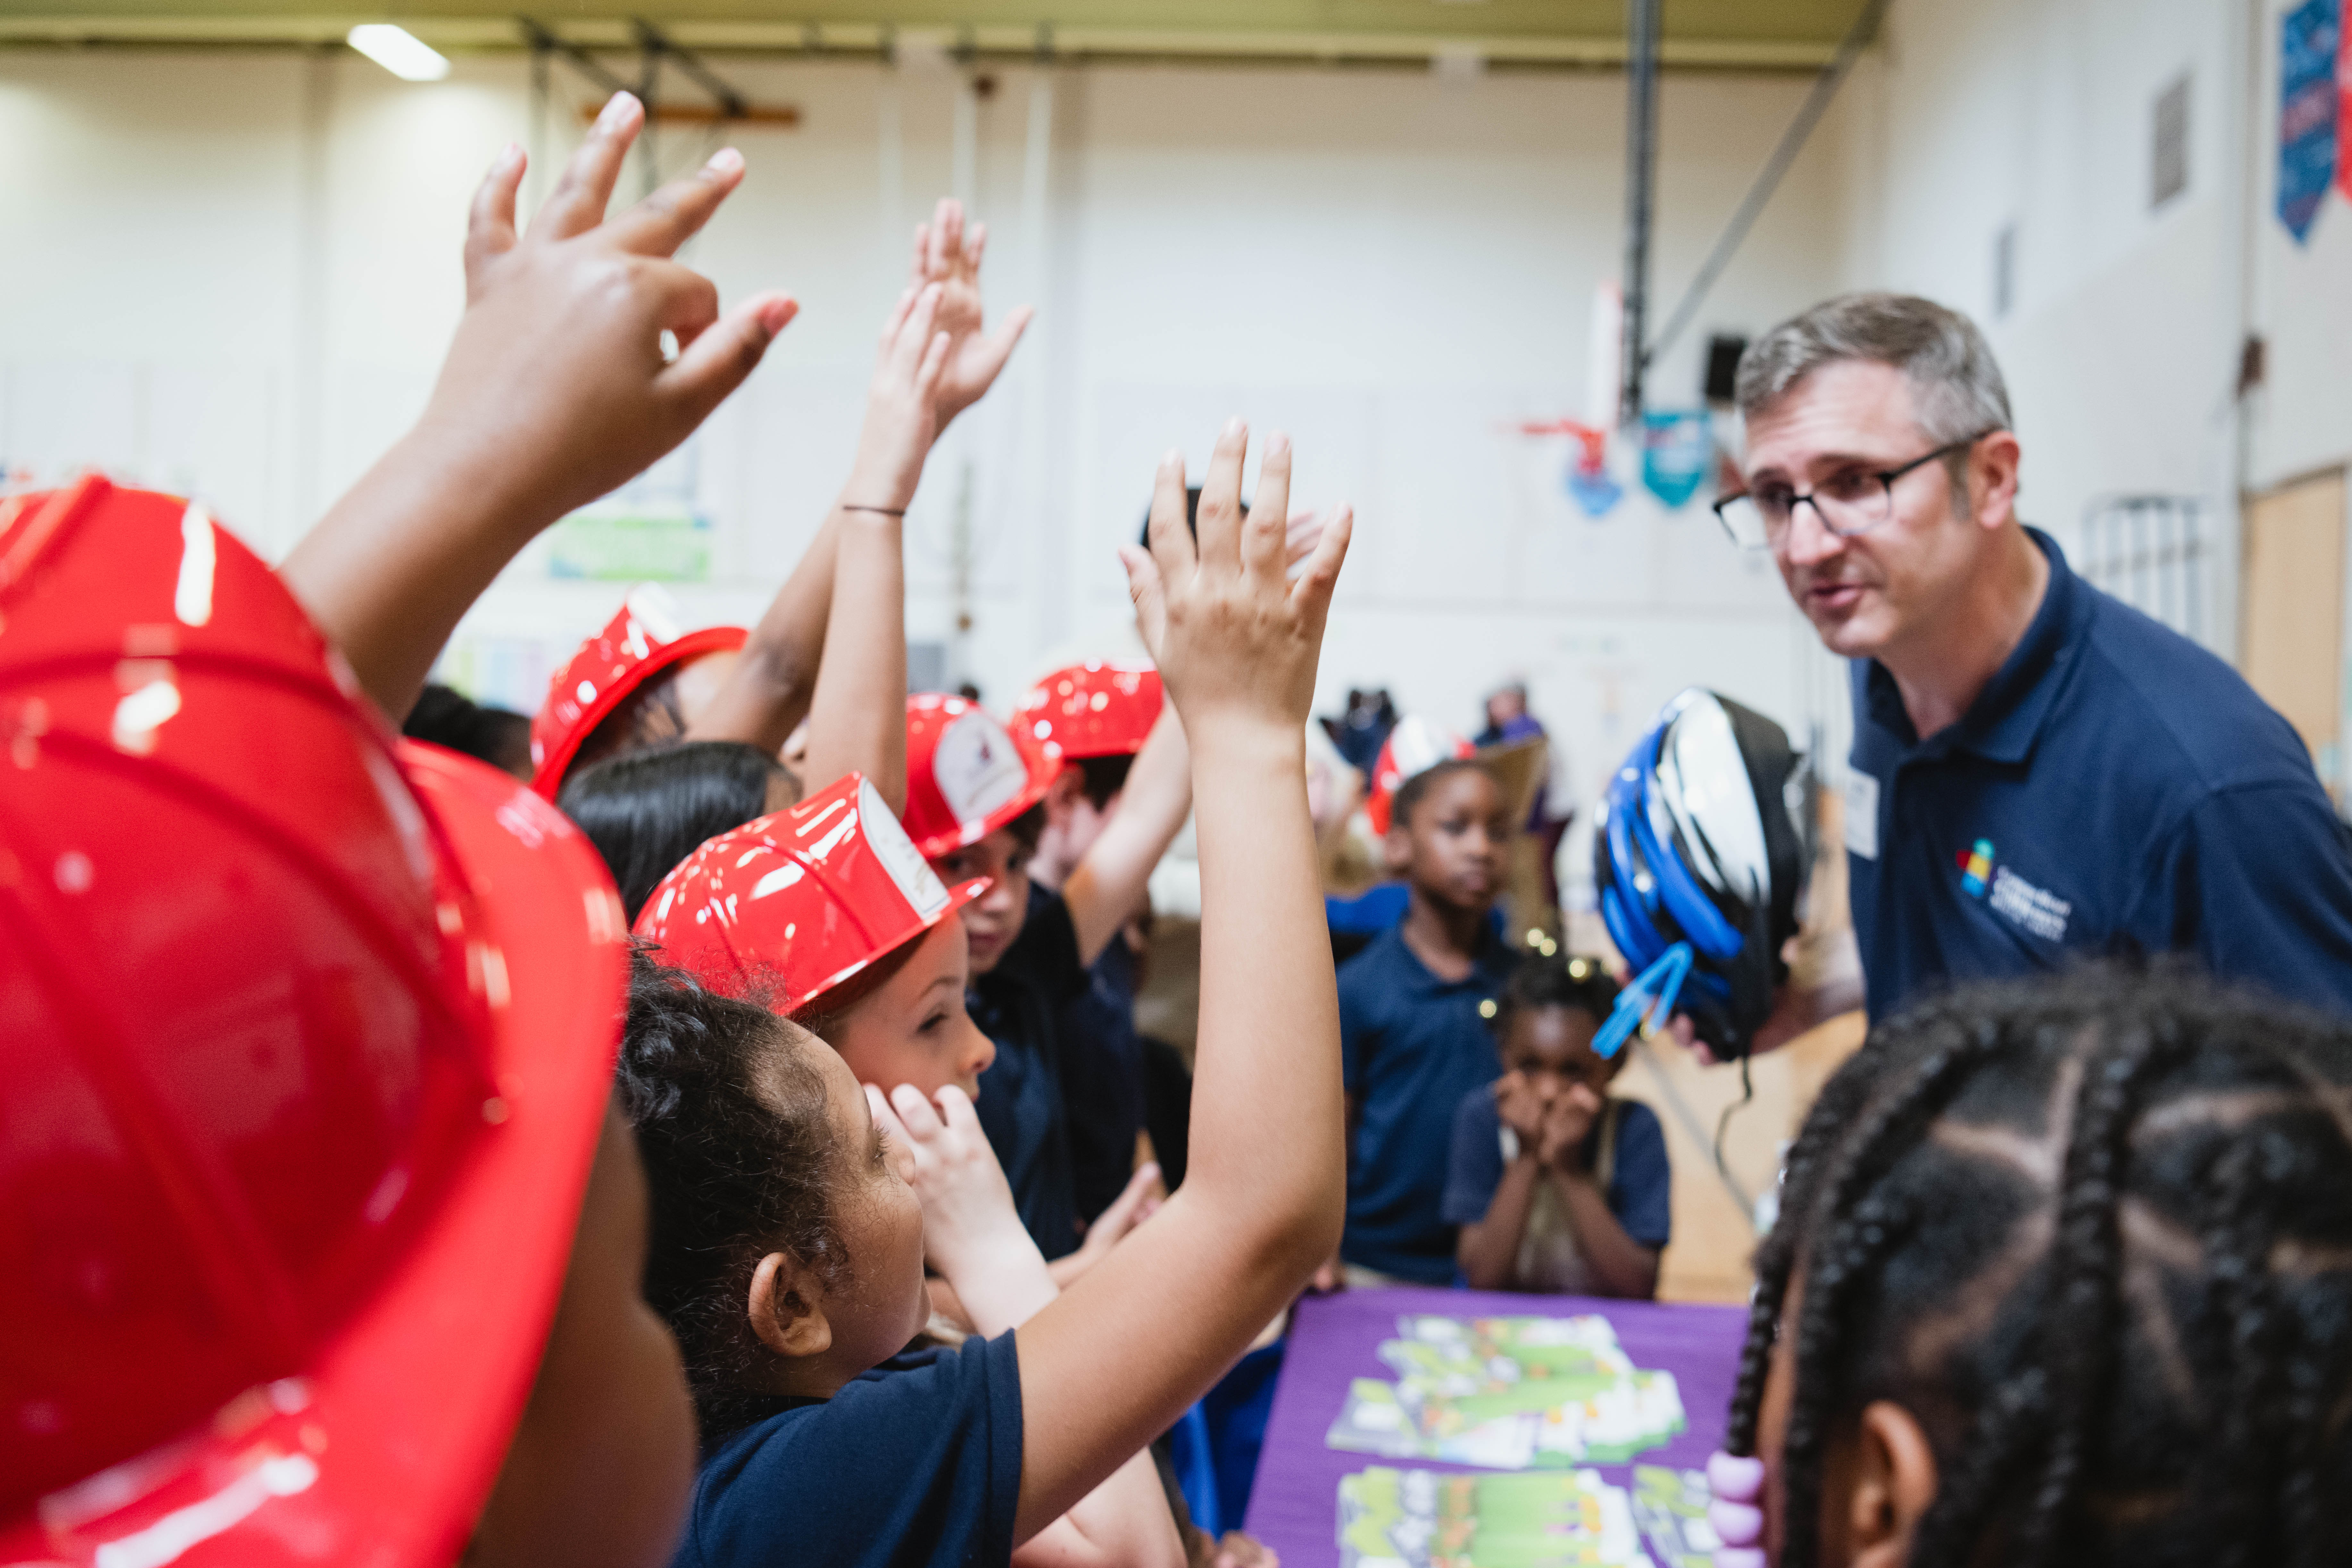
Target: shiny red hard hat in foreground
[1098,710]
[797,902]
[305,1037]
[1412,748]
[967,775]
[640,642]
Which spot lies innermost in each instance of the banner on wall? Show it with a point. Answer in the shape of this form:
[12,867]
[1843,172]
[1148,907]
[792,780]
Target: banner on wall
[1675,451]
[2343,104]
[2310,41]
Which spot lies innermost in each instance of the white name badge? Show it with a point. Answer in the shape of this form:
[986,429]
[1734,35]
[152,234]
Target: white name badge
[1862,813]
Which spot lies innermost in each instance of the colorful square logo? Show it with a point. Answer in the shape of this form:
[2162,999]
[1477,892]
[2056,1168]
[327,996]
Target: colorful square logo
[1976,867]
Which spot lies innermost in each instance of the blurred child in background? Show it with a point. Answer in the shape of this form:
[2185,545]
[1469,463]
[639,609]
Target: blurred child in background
[1557,1186]
[451,718]
[1414,1011]
[1097,717]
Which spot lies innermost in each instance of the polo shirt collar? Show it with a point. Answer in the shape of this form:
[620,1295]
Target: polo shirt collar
[1491,965]
[2001,724]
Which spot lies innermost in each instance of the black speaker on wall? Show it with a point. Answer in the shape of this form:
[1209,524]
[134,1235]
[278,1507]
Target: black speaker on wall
[1723,367]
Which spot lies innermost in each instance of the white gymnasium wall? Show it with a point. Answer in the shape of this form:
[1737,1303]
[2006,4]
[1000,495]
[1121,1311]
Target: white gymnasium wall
[235,274]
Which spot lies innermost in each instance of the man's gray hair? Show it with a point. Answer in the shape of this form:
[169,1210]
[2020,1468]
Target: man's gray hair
[1956,387]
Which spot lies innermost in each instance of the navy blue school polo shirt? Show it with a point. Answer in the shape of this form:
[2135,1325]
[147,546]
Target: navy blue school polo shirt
[1018,1004]
[1410,1047]
[916,1464]
[2114,791]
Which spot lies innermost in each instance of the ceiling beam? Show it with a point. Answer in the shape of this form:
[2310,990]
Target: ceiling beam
[499,35]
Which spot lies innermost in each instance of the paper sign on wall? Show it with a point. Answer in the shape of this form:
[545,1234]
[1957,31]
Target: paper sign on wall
[2309,43]
[1675,451]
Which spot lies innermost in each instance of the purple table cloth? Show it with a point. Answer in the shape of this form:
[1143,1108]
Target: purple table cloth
[1294,1506]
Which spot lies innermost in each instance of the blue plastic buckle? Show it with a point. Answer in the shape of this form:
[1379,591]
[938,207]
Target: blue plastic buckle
[1646,1004]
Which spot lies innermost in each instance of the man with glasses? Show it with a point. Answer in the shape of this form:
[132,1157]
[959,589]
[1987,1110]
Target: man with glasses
[2039,772]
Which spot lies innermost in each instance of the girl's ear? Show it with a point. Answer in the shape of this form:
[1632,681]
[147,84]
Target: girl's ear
[787,1308]
[1396,850]
[1895,1483]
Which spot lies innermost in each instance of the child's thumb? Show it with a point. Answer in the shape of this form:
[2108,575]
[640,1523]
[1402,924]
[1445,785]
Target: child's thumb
[1148,591]
[717,362]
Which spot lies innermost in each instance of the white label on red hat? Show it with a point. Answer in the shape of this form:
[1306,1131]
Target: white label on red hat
[975,766]
[654,619]
[916,880]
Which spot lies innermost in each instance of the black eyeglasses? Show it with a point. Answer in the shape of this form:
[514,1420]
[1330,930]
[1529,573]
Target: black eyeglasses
[1851,502]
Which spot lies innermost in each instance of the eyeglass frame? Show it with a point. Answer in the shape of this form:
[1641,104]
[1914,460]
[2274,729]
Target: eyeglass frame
[1886,478]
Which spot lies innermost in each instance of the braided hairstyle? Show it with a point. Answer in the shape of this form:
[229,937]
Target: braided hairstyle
[2095,1233]
[739,1149]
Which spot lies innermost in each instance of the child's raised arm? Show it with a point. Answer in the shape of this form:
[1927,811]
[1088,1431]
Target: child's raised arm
[777,680]
[1108,886]
[555,391]
[1117,1359]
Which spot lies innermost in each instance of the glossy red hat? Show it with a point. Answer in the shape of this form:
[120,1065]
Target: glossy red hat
[798,901]
[1095,709]
[967,775]
[1412,748]
[306,1036]
[639,643]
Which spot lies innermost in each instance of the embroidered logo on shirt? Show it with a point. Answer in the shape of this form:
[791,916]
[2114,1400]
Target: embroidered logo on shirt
[2041,912]
[1975,868]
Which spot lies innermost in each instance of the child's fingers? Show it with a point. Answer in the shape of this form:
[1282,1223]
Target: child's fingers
[915,336]
[975,246]
[994,349]
[1220,499]
[1174,552]
[935,360]
[1143,586]
[658,224]
[896,322]
[947,236]
[716,362]
[1311,593]
[884,1117]
[1125,1212]
[918,272]
[916,1113]
[577,203]
[1266,531]
[490,221]
[956,1110]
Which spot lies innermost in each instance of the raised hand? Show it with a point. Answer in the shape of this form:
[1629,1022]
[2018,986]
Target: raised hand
[559,361]
[556,389]
[948,253]
[1236,640]
[901,411]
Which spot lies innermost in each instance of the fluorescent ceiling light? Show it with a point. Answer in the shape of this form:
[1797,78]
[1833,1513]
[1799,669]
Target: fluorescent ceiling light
[399,51]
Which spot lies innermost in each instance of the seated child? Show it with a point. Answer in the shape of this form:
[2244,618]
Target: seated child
[2062,1275]
[788,1245]
[1097,717]
[1412,1019]
[1558,1187]
[973,807]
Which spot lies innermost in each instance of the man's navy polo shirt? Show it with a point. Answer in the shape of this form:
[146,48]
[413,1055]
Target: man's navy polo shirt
[1410,1046]
[2115,790]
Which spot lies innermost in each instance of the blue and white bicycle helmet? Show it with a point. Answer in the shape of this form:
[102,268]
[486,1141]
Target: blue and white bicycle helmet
[1704,837]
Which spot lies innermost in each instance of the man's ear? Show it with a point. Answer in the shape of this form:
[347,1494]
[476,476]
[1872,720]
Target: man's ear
[1895,1482]
[787,1308]
[1992,478]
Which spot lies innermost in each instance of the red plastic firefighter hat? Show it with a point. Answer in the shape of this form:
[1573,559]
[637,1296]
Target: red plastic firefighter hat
[1095,709]
[1412,748]
[308,1035]
[967,775]
[797,902]
[637,644]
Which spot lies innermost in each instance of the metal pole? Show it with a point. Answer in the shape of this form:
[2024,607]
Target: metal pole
[1640,176]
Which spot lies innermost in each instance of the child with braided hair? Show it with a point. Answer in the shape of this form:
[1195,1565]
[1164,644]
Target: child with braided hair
[2065,1276]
